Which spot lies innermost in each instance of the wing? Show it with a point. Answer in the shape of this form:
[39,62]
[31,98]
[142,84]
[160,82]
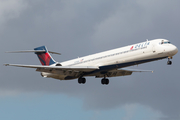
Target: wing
[42,68]
[121,72]
[136,70]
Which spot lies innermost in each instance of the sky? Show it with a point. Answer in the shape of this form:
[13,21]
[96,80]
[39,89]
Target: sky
[76,28]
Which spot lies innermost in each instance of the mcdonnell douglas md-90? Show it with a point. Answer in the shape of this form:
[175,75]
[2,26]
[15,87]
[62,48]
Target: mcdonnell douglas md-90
[104,64]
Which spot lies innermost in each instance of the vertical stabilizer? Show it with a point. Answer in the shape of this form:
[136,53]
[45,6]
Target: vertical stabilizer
[44,57]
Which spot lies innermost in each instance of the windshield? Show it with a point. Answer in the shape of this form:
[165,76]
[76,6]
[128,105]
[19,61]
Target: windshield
[165,42]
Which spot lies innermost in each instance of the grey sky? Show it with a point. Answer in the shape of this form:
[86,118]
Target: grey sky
[77,28]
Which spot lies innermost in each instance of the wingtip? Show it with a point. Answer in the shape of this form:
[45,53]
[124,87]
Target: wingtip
[6,64]
[54,52]
[7,52]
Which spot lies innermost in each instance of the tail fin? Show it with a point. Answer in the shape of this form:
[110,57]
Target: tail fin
[44,57]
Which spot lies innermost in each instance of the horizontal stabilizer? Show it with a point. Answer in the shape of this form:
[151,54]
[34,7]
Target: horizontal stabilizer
[36,51]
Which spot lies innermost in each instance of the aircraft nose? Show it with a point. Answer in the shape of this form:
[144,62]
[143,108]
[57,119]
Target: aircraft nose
[174,50]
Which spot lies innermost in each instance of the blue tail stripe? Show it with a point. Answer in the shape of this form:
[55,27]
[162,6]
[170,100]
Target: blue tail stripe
[44,57]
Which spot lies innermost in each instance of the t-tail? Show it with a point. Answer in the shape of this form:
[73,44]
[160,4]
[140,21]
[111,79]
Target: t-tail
[44,57]
[42,53]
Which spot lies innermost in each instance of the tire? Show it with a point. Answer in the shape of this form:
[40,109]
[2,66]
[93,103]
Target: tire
[169,62]
[103,81]
[107,81]
[82,80]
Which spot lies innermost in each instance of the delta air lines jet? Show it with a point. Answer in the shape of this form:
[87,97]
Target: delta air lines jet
[104,64]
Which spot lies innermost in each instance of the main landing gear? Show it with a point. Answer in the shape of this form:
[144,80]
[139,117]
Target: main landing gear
[105,81]
[169,62]
[82,80]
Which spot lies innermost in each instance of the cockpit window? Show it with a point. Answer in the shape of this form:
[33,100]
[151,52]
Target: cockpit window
[163,42]
[166,42]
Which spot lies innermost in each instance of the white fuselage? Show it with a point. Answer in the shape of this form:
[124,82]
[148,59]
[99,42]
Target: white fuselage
[122,57]
[141,51]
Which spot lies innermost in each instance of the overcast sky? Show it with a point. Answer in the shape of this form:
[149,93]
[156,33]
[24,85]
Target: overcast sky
[77,28]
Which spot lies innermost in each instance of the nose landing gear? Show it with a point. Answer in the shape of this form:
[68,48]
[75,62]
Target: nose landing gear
[169,62]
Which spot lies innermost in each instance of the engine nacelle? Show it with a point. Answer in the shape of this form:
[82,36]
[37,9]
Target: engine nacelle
[43,75]
[51,75]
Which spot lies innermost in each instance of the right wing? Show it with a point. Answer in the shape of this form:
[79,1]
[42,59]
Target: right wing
[120,72]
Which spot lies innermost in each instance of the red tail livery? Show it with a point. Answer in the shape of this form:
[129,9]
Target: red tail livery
[44,57]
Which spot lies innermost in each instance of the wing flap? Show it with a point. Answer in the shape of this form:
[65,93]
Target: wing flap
[120,72]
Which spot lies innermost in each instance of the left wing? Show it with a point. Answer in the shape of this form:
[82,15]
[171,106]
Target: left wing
[43,67]
[121,72]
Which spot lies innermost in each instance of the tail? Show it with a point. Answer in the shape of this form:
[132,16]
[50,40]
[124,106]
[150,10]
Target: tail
[44,57]
[42,53]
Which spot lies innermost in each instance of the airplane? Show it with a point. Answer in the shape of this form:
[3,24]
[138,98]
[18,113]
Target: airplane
[104,64]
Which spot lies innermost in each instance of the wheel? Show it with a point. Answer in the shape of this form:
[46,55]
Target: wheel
[105,81]
[169,62]
[82,80]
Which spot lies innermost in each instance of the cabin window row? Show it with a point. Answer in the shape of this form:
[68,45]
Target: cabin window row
[109,55]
